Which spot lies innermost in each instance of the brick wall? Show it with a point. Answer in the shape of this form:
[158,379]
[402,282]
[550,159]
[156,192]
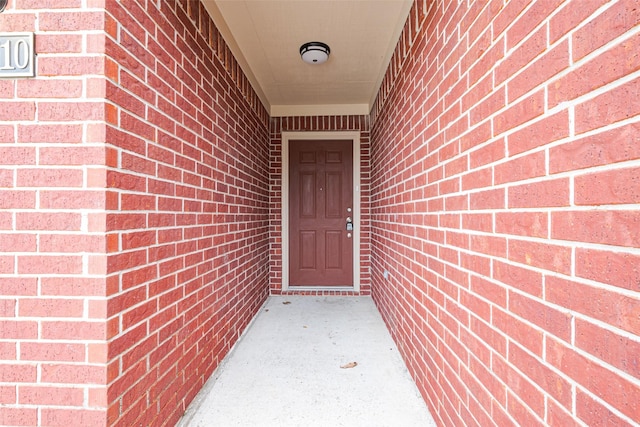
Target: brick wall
[52,241]
[140,210]
[317,124]
[134,205]
[187,206]
[505,192]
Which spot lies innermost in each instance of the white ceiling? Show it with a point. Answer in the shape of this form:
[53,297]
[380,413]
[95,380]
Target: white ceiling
[265,37]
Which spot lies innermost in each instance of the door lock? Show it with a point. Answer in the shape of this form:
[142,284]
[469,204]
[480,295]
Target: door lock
[349,224]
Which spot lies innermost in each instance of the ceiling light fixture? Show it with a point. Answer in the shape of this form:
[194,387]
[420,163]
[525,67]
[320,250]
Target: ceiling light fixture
[314,52]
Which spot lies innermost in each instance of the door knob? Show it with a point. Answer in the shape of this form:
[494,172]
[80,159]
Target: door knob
[349,224]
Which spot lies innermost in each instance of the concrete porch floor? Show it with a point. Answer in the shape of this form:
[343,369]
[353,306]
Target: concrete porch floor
[286,371]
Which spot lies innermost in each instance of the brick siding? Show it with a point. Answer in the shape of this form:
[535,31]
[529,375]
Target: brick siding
[187,219]
[140,197]
[52,229]
[134,224]
[505,165]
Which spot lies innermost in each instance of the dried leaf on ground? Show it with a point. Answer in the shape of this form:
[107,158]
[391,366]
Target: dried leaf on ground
[349,365]
[286,302]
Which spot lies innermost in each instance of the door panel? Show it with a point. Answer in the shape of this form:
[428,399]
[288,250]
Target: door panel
[333,206]
[333,248]
[308,196]
[308,249]
[320,193]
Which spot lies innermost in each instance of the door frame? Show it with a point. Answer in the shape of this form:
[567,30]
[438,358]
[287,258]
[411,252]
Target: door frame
[354,137]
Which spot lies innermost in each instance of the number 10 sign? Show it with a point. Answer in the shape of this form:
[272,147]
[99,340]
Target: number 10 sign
[17,55]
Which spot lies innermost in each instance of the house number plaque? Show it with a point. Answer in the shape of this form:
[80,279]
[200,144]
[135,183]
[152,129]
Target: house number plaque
[17,55]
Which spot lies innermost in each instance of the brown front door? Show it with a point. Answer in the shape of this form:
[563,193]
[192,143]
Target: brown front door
[321,202]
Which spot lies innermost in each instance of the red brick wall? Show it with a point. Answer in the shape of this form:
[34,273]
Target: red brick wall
[505,192]
[317,124]
[52,242]
[134,205]
[187,206]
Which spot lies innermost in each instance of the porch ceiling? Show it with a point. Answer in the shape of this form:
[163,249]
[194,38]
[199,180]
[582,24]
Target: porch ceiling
[265,37]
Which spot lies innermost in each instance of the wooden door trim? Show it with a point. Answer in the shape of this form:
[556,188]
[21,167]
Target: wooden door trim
[354,137]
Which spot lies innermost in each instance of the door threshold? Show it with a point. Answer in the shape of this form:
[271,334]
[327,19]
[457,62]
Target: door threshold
[321,288]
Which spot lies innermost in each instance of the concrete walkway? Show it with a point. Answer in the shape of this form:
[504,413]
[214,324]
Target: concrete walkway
[286,371]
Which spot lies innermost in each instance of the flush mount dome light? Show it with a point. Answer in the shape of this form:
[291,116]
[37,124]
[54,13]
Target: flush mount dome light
[314,52]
